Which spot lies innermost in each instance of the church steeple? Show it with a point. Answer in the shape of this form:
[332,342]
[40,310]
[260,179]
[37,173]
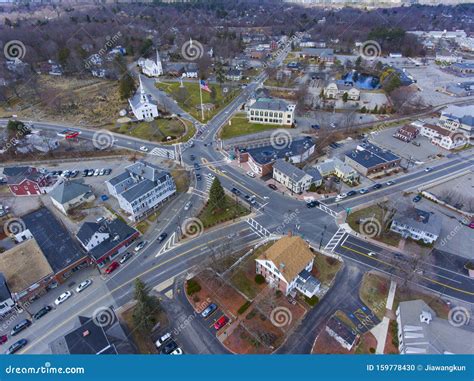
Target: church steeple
[143,97]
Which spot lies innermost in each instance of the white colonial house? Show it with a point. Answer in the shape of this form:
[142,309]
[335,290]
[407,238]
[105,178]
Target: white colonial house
[416,224]
[458,118]
[292,177]
[141,188]
[287,265]
[143,107]
[335,90]
[443,137]
[151,68]
[270,111]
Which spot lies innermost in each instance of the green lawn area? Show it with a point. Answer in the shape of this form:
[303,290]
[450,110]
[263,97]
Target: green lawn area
[240,126]
[211,217]
[188,97]
[142,227]
[373,292]
[362,221]
[155,131]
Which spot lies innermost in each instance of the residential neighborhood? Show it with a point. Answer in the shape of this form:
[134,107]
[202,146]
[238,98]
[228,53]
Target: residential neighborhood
[239,178]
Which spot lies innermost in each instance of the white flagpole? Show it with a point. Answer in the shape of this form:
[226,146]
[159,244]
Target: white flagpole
[200,95]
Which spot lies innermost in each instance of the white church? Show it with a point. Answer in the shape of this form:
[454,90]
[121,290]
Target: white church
[143,107]
[151,68]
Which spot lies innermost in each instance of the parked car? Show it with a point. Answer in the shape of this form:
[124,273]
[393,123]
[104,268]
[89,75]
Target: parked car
[341,196]
[364,191]
[74,173]
[3,339]
[312,204]
[391,182]
[351,193]
[417,198]
[221,322]
[428,169]
[235,191]
[272,186]
[140,246]
[188,205]
[108,171]
[315,126]
[112,267]
[192,157]
[177,351]
[85,172]
[209,310]
[144,149]
[90,172]
[63,297]
[197,166]
[250,174]
[471,225]
[83,285]
[211,176]
[43,311]
[126,257]
[169,347]
[377,186]
[162,339]
[415,143]
[162,237]
[102,172]
[15,347]
[96,172]
[198,177]
[22,325]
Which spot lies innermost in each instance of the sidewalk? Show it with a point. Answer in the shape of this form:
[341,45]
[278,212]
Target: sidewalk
[380,331]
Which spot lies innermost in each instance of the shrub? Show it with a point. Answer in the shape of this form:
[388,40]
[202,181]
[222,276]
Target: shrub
[312,301]
[192,287]
[259,279]
[251,314]
[278,293]
[312,188]
[244,307]
[372,350]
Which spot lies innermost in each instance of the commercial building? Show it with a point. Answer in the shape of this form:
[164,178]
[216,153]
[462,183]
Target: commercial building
[458,118]
[25,181]
[368,159]
[292,177]
[336,90]
[67,195]
[416,224]
[270,111]
[443,137]
[336,167]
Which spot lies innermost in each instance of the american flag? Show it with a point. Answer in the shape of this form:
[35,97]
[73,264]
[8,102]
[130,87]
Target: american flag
[204,86]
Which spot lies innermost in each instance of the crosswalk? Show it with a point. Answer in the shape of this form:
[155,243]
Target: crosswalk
[163,152]
[335,239]
[259,229]
[327,210]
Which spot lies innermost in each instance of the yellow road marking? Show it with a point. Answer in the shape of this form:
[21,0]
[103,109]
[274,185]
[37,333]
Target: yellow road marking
[118,288]
[424,277]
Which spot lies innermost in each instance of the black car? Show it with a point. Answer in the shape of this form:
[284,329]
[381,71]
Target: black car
[312,204]
[197,167]
[192,157]
[235,191]
[22,325]
[162,237]
[108,171]
[42,312]
[169,347]
[15,347]
[198,177]
[272,186]
[351,193]
[377,186]
[85,172]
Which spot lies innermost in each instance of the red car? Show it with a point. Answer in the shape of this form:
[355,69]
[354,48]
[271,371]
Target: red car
[3,339]
[113,266]
[72,135]
[221,322]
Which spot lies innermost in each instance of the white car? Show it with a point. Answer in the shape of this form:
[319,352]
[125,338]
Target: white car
[371,254]
[391,182]
[102,172]
[341,196]
[251,174]
[162,339]
[188,205]
[83,285]
[211,176]
[177,351]
[140,246]
[96,172]
[144,149]
[63,297]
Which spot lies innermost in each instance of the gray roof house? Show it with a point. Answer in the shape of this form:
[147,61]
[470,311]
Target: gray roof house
[141,188]
[420,331]
[292,177]
[416,224]
[70,194]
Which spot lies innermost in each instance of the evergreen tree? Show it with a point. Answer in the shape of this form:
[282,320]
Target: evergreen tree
[345,97]
[145,310]
[217,198]
[126,86]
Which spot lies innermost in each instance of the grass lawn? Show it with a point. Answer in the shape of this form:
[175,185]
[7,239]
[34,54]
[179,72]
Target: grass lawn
[373,292]
[434,301]
[142,227]
[240,126]
[211,217]
[155,131]
[325,268]
[188,97]
[376,215]
[181,179]
[144,342]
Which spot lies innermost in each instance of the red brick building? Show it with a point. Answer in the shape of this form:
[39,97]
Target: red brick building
[25,181]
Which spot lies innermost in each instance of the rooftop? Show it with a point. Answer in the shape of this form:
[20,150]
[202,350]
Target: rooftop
[24,265]
[465,114]
[418,219]
[69,190]
[17,174]
[270,104]
[290,254]
[288,169]
[369,155]
[52,237]
[341,330]
[268,154]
